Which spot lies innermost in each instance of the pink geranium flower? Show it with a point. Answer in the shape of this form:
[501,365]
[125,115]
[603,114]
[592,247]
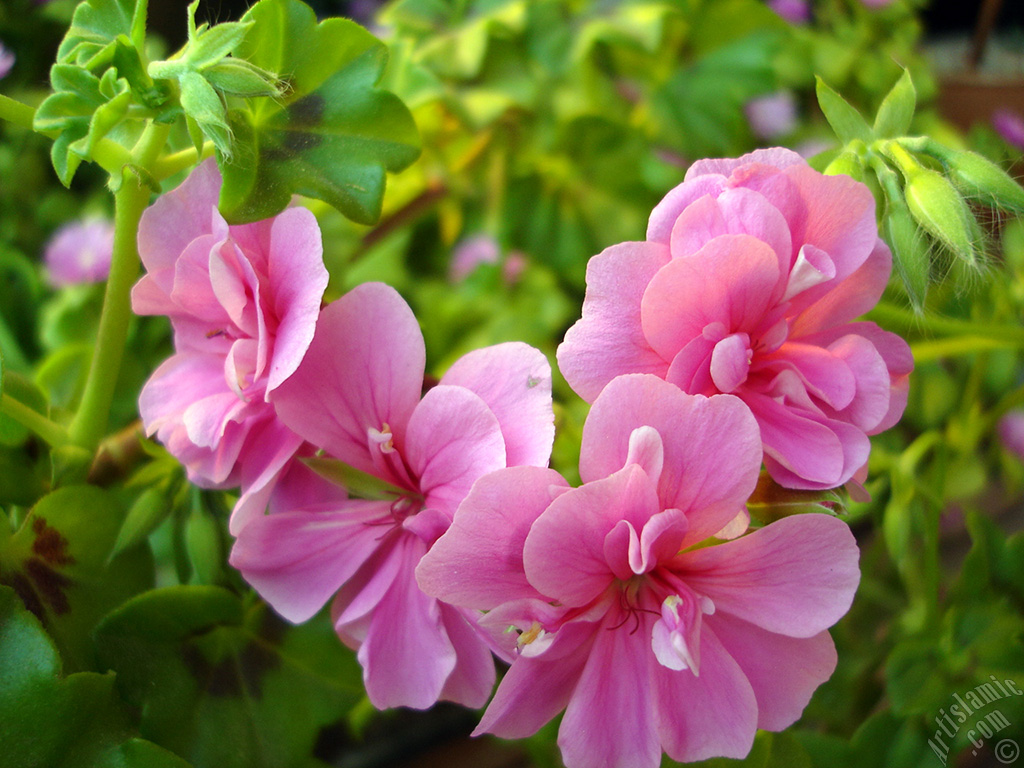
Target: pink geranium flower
[648,642]
[243,302]
[80,252]
[751,275]
[357,395]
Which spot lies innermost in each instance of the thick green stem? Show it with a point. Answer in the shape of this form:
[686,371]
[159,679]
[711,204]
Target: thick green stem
[168,165]
[90,422]
[15,112]
[35,422]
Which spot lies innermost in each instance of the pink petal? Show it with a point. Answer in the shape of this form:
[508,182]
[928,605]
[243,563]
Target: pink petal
[777,157]
[665,213]
[406,654]
[478,563]
[298,560]
[297,280]
[848,298]
[193,294]
[735,211]
[713,715]
[824,372]
[609,340]
[783,671]
[564,554]
[712,447]
[175,219]
[534,690]
[730,362]
[799,441]
[472,680]
[514,379]
[840,217]
[729,281]
[453,439]
[271,445]
[363,369]
[610,717]
[795,577]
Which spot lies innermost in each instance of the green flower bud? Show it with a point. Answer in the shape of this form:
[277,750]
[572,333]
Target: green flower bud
[977,177]
[203,104]
[241,78]
[909,250]
[939,209]
[847,163]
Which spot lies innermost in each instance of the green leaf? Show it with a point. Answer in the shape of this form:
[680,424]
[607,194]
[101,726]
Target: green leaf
[846,121]
[224,684]
[57,562]
[897,110]
[332,136]
[46,720]
[95,24]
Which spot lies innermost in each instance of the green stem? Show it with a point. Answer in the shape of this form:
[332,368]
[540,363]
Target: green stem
[15,112]
[168,165]
[90,422]
[936,349]
[54,434]
[892,316]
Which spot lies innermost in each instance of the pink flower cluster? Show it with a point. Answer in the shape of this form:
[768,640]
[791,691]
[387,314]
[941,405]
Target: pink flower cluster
[725,339]
[748,283]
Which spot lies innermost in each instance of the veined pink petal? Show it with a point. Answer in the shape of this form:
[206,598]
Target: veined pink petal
[736,211]
[609,339]
[472,680]
[712,447]
[783,671]
[712,715]
[665,213]
[535,690]
[799,441]
[453,438]
[297,278]
[363,370]
[298,560]
[406,655]
[176,219]
[729,281]
[840,217]
[795,577]
[610,718]
[272,447]
[847,298]
[514,379]
[478,563]
[565,560]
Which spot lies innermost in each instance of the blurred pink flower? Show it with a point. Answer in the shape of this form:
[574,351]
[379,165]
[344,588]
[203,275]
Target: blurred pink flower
[1010,126]
[6,60]
[751,275]
[243,302]
[647,642]
[793,11]
[772,116]
[80,252]
[1011,431]
[357,396]
[471,253]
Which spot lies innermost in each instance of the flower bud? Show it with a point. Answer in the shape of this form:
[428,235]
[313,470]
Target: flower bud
[240,78]
[939,209]
[978,177]
[909,249]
